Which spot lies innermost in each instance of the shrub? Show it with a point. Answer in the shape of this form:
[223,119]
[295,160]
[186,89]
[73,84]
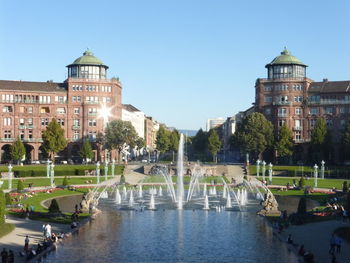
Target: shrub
[345,187]
[65,181]
[20,186]
[301,182]
[8,199]
[2,207]
[54,208]
[302,206]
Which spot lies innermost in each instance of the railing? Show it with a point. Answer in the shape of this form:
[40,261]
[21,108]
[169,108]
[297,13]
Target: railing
[24,139]
[298,128]
[92,113]
[282,114]
[91,102]
[30,126]
[282,103]
[21,127]
[33,102]
[76,127]
[326,102]
[7,139]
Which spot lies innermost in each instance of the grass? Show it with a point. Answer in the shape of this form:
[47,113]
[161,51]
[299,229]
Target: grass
[73,180]
[6,229]
[321,198]
[344,233]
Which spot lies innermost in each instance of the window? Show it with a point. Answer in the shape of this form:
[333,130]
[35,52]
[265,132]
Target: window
[76,110]
[61,122]
[268,99]
[30,134]
[21,109]
[297,124]
[60,99]
[108,99]
[268,111]
[7,121]
[76,135]
[342,110]
[44,122]
[61,110]
[282,112]
[92,135]
[328,110]
[30,109]
[329,122]
[21,134]
[7,109]
[298,136]
[44,110]
[312,123]
[44,99]
[30,122]
[313,111]
[298,111]
[92,123]
[7,134]
[76,99]
[76,122]
[298,98]
[281,122]
[342,123]
[21,121]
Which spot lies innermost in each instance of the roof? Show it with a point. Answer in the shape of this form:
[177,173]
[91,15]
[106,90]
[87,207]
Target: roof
[129,107]
[88,58]
[330,86]
[49,86]
[286,58]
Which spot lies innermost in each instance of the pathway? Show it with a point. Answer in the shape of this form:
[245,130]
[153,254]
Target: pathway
[32,228]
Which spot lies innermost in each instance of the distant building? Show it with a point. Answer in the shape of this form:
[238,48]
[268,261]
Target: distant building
[213,123]
[136,117]
[151,129]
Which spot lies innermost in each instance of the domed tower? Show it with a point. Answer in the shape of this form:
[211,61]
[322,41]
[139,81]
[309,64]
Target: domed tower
[87,67]
[281,96]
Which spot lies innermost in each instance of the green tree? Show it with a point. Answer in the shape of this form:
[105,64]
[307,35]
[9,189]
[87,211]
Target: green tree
[214,143]
[54,139]
[54,208]
[162,140]
[345,187]
[119,134]
[254,135]
[200,141]
[20,186]
[320,141]
[17,150]
[301,182]
[8,199]
[65,181]
[2,207]
[174,138]
[284,142]
[140,143]
[86,151]
[346,142]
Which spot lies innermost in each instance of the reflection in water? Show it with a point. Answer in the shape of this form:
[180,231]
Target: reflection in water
[173,236]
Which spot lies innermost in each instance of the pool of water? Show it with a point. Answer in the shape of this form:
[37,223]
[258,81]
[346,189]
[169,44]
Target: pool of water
[173,236]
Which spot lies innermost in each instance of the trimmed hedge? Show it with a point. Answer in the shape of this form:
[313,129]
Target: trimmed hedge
[2,207]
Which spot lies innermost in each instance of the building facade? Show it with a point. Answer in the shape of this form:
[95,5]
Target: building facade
[82,104]
[213,123]
[136,117]
[288,96]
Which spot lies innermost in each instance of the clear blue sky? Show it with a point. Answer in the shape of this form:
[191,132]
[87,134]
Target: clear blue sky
[180,61]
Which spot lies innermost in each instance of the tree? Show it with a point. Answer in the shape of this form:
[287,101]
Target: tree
[17,150]
[345,187]
[162,140]
[302,206]
[321,141]
[214,143]
[284,143]
[54,139]
[2,207]
[65,181]
[174,138]
[254,135]
[200,141]
[346,141]
[54,208]
[140,143]
[119,134]
[86,151]
[301,182]
[8,199]
[20,186]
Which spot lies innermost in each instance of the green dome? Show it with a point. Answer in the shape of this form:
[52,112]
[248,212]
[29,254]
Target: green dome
[286,58]
[88,58]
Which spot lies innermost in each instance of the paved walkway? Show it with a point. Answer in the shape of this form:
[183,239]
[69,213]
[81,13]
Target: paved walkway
[32,228]
[315,237]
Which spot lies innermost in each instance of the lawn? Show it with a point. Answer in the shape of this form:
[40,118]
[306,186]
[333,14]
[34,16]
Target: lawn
[321,198]
[6,228]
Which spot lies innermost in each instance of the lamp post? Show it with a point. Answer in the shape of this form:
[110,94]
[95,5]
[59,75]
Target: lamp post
[10,176]
[263,170]
[113,167]
[257,167]
[270,173]
[315,174]
[322,169]
[98,172]
[52,174]
[48,168]
[247,159]
[106,169]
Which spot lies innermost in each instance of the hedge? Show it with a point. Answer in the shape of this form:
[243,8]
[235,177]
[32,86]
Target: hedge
[2,207]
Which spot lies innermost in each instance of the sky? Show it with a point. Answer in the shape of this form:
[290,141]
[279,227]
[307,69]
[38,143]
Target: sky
[181,61]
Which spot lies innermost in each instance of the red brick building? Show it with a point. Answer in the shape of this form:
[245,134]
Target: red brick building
[77,104]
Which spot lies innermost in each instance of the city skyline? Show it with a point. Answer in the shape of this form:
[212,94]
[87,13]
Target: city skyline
[176,60]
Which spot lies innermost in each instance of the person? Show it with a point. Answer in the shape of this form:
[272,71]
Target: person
[44,230]
[26,244]
[334,259]
[338,242]
[48,231]
[345,215]
[301,250]
[332,244]
[289,239]
[11,257]
[4,255]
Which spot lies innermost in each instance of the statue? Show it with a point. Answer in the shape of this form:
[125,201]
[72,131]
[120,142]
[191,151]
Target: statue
[270,206]
[88,203]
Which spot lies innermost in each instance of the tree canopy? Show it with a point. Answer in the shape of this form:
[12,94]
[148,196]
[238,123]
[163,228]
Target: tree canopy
[321,141]
[17,150]
[254,135]
[86,150]
[346,141]
[200,141]
[162,140]
[53,138]
[284,142]
[214,143]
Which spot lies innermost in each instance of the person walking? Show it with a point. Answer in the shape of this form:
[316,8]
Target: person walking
[26,244]
[332,244]
[338,242]
[11,257]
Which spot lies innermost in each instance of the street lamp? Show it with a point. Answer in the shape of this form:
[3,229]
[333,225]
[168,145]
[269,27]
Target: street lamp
[52,174]
[247,158]
[257,167]
[98,172]
[322,169]
[106,169]
[270,173]
[48,168]
[263,170]
[10,176]
[113,167]
[315,174]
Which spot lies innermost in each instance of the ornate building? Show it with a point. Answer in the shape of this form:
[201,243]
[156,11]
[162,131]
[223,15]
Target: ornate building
[288,96]
[82,104]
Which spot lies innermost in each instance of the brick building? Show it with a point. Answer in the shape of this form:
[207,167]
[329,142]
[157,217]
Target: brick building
[288,96]
[82,104]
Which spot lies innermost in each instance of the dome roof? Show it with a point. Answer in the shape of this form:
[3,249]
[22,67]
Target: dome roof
[88,58]
[286,58]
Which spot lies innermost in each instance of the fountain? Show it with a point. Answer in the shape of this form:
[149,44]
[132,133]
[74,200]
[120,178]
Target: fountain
[118,198]
[180,183]
[205,189]
[206,203]
[140,191]
[131,199]
[152,205]
[160,191]
[228,201]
